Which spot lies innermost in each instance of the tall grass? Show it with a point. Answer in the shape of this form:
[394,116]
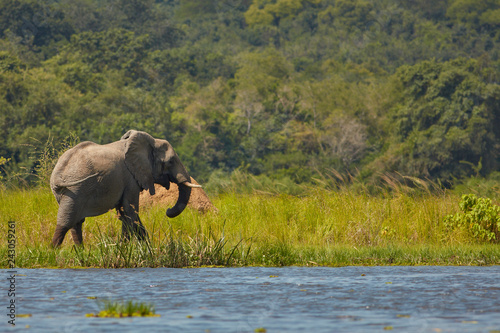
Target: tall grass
[321,227]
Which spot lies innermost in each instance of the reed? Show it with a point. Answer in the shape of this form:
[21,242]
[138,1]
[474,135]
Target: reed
[321,227]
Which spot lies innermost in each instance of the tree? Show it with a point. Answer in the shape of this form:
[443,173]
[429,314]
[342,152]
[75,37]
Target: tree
[267,12]
[248,104]
[37,24]
[475,14]
[346,140]
[446,121]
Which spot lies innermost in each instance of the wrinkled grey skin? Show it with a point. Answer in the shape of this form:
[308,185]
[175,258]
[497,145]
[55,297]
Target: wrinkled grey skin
[90,179]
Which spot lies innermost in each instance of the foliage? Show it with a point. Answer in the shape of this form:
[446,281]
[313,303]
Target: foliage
[481,14]
[479,216]
[447,116]
[281,89]
[483,187]
[265,12]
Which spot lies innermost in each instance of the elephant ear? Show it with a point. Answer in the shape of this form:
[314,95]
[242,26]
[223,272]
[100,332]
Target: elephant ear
[138,158]
[128,134]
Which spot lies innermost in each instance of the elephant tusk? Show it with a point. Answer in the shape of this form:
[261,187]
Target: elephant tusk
[188,184]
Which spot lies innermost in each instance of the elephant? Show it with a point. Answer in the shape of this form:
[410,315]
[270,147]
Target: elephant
[91,179]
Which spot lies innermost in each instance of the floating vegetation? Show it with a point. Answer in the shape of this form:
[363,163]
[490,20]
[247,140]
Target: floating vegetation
[116,309]
[24,315]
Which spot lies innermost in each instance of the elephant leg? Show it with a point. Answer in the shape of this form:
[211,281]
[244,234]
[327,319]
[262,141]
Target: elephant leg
[67,218]
[76,232]
[59,234]
[127,224]
[131,223]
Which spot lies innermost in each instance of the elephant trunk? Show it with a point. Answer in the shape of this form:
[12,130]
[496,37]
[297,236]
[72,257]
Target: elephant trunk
[182,201]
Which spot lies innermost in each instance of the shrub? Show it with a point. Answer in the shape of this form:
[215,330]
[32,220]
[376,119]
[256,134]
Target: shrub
[479,217]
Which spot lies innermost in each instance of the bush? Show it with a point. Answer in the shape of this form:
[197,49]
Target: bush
[479,217]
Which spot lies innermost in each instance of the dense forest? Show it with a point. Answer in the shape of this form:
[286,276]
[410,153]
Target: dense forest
[287,90]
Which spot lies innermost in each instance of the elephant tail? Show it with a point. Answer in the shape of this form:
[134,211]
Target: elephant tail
[58,187]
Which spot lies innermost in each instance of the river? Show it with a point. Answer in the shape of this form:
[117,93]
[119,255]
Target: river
[253,299]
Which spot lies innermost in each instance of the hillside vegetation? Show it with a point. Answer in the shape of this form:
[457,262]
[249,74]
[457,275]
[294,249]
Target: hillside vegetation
[288,91]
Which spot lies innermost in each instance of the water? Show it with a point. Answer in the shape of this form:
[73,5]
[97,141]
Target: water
[288,299]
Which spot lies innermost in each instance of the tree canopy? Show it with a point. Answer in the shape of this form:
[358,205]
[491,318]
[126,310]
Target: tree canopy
[287,89]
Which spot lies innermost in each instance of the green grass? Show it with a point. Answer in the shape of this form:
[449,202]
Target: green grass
[334,228]
[125,309]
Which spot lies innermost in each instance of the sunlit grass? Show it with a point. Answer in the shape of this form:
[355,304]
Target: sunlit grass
[117,309]
[334,228]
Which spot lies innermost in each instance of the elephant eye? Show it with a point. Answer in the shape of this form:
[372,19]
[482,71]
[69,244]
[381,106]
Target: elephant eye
[166,165]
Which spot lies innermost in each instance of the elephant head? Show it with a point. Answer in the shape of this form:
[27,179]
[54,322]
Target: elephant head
[152,161]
